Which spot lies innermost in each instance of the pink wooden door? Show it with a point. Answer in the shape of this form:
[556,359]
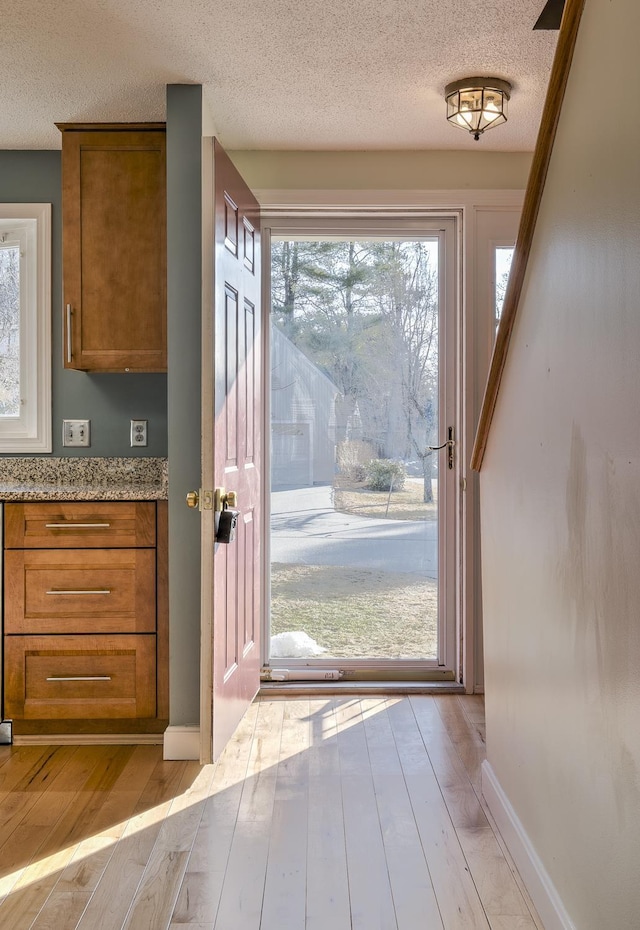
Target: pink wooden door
[236,453]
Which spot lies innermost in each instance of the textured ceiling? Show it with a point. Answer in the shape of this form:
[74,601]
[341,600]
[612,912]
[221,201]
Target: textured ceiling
[277,74]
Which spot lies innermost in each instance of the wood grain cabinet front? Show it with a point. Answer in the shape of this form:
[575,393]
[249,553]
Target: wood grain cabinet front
[76,591]
[87,677]
[114,246]
[85,617]
[74,525]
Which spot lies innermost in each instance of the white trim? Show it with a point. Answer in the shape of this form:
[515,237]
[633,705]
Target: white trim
[482,225]
[31,431]
[414,222]
[181,743]
[533,873]
[279,203]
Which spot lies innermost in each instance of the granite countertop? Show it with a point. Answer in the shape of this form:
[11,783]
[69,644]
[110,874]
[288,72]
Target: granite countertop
[80,478]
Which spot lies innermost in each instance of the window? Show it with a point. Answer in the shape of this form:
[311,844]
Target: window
[503,257]
[25,327]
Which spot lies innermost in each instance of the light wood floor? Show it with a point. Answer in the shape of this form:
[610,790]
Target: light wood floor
[320,815]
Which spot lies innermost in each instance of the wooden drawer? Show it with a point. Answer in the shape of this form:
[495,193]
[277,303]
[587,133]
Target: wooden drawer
[80,677]
[90,525]
[72,591]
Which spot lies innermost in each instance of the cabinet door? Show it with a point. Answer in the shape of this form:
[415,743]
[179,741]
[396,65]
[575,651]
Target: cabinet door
[80,677]
[114,249]
[80,591]
[90,525]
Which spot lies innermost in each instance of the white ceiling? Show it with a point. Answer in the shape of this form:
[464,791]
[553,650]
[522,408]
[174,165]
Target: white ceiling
[277,74]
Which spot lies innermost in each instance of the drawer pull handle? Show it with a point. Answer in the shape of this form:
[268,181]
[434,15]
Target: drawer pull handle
[85,591]
[79,678]
[77,526]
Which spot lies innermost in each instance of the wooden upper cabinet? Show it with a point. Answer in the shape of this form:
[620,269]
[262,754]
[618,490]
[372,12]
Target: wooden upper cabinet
[114,246]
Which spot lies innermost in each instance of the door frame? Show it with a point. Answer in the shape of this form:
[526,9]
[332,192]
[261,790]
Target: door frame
[446,225]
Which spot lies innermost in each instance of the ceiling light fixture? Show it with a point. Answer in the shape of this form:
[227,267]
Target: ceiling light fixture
[477,103]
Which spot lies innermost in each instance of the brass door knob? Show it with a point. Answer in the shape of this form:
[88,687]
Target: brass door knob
[193,499]
[223,499]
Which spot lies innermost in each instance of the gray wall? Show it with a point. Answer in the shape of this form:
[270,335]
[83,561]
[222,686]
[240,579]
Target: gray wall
[108,400]
[184,293]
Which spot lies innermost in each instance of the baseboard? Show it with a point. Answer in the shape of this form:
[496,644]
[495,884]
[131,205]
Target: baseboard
[181,743]
[88,739]
[543,893]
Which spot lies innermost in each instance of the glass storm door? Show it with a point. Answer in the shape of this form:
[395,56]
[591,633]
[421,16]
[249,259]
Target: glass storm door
[361,388]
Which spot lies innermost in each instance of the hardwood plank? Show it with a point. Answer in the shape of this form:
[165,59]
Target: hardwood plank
[63,792]
[285,877]
[241,898]
[338,813]
[413,894]
[327,903]
[513,923]
[18,832]
[458,901]
[63,910]
[491,872]
[160,884]
[15,761]
[93,854]
[516,876]
[85,769]
[128,791]
[284,901]
[31,891]
[176,925]
[32,838]
[242,888]
[26,793]
[296,737]
[72,830]
[114,893]
[448,728]
[369,888]
[448,737]
[199,895]
[112,898]
[267,737]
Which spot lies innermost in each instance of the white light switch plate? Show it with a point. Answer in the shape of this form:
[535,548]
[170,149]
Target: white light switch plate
[76,432]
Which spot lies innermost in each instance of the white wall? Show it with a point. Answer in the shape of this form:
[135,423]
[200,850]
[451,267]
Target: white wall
[560,500]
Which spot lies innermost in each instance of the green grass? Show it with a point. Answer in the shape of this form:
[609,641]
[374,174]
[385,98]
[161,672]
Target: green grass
[356,613]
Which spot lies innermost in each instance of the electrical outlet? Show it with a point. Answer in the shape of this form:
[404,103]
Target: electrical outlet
[76,432]
[138,433]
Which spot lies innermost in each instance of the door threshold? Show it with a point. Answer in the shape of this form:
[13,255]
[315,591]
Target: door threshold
[270,689]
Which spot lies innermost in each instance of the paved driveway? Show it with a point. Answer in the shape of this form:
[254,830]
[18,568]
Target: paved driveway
[305,529]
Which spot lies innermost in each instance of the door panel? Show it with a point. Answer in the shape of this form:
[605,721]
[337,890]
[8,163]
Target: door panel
[363,514]
[233,434]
